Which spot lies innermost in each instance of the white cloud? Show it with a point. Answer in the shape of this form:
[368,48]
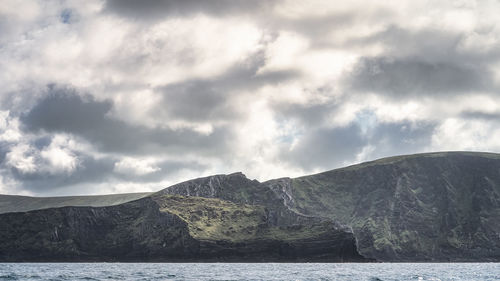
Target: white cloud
[128,61]
[459,134]
[9,128]
[136,166]
[21,157]
[58,157]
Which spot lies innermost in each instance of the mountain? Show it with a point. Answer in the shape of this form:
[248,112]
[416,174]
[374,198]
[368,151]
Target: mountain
[424,207]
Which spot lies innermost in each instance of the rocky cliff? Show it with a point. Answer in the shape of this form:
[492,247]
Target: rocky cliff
[168,227]
[425,207]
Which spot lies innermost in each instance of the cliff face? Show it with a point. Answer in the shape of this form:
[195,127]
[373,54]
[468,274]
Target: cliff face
[424,207]
[131,231]
[428,207]
[432,207]
[169,228]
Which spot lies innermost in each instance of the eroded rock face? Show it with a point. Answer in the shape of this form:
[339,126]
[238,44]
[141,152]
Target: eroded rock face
[234,187]
[238,188]
[427,207]
[143,230]
[131,231]
[431,207]
[424,207]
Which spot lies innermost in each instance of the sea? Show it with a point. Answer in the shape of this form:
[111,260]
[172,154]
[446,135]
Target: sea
[250,271]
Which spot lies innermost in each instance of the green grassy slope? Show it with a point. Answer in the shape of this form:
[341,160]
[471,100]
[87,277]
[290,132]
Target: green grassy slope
[15,203]
[215,219]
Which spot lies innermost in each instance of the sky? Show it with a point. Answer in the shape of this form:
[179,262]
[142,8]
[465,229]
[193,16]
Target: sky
[113,96]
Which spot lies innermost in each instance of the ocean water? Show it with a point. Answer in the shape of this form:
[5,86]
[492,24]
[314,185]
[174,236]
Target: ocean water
[250,271]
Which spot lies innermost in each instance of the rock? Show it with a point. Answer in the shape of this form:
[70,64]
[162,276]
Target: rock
[151,229]
[424,207]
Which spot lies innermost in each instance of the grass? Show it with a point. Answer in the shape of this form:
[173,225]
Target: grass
[215,219]
[16,203]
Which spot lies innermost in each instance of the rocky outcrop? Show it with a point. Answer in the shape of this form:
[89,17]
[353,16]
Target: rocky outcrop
[238,188]
[131,231]
[144,230]
[234,187]
[423,207]
[426,207]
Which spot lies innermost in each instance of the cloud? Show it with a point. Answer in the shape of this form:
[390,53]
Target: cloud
[58,164]
[480,115]
[56,158]
[467,134]
[435,44]
[59,156]
[410,77]
[9,127]
[64,111]
[136,166]
[70,139]
[49,162]
[89,170]
[326,148]
[307,114]
[142,171]
[19,157]
[428,61]
[429,44]
[143,94]
[212,99]
[399,138]
[155,9]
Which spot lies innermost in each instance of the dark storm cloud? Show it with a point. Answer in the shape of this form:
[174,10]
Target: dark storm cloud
[480,115]
[321,29]
[197,100]
[211,99]
[155,9]
[430,44]
[4,149]
[165,169]
[41,142]
[66,15]
[407,77]
[317,29]
[307,114]
[64,111]
[89,170]
[391,139]
[328,148]
[429,62]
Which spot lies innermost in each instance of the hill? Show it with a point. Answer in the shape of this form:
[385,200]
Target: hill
[424,207]
[16,203]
